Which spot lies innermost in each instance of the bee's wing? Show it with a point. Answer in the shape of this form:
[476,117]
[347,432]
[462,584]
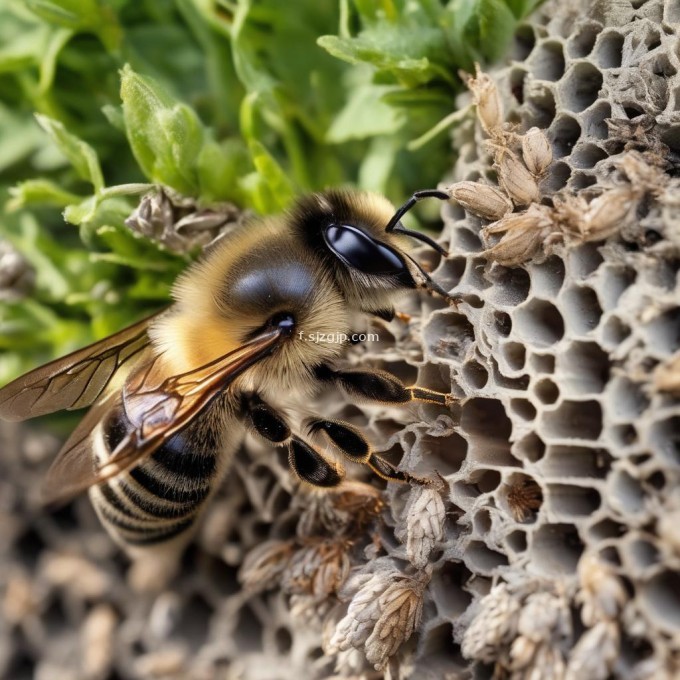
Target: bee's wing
[74,381]
[157,407]
[74,468]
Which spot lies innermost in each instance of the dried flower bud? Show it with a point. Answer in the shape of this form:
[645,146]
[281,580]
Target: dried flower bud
[545,616]
[524,235]
[595,654]
[524,498]
[344,511]
[642,175]
[97,641]
[178,223]
[76,574]
[536,151]
[569,214]
[384,610]
[488,100]
[482,200]
[17,276]
[606,214]
[153,216]
[547,663]
[668,526]
[168,662]
[359,503]
[522,652]
[667,375]
[602,594]
[515,179]
[264,564]
[401,608]
[21,601]
[494,626]
[424,514]
[320,568]
[353,630]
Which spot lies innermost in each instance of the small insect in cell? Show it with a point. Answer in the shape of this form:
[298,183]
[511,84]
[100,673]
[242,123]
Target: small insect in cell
[171,396]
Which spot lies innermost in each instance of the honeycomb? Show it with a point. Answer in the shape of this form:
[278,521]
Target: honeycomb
[547,545]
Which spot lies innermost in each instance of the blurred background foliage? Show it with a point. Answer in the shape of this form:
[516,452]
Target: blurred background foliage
[245,101]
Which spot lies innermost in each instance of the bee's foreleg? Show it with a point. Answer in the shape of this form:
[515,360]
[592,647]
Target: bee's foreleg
[355,447]
[306,462]
[381,386]
[346,437]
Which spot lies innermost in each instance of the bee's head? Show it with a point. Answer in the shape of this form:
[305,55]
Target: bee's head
[255,279]
[361,239]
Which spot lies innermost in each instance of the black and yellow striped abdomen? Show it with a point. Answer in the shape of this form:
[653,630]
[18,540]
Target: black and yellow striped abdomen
[160,499]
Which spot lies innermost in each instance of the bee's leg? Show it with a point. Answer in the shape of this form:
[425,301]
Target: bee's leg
[385,314]
[380,386]
[354,446]
[307,463]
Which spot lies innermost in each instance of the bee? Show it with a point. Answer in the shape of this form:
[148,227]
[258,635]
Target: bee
[171,396]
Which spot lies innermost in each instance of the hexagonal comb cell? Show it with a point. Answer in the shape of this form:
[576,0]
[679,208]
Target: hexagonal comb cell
[580,86]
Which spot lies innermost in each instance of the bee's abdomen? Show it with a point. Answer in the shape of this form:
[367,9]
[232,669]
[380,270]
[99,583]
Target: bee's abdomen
[160,498]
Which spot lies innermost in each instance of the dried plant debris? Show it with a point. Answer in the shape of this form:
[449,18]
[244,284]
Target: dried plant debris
[667,376]
[385,608]
[17,276]
[423,524]
[551,548]
[178,223]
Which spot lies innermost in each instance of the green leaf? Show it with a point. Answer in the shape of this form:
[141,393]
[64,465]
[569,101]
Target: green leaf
[46,256]
[81,16]
[378,164]
[496,27]
[48,63]
[522,8]
[67,13]
[277,188]
[23,50]
[132,250]
[80,154]
[365,115]
[81,213]
[166,136]
[40,192]
[114,114]
[220,169]
[20,138]
[410,72]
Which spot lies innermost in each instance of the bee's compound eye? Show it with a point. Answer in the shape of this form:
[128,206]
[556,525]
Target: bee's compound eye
[285,321]
[358,250]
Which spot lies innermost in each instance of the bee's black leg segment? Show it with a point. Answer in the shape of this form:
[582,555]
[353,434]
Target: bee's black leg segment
[386,314]
[380,386]
[306,462]
[346,437]
[387,471]
[389,314]
[430,396]
[264,419]
[310,466]
[354,447]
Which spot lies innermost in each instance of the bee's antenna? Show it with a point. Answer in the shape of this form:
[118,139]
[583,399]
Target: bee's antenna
[417,196]
[432,286]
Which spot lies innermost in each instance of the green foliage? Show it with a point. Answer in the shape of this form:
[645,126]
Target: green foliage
[248,101]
